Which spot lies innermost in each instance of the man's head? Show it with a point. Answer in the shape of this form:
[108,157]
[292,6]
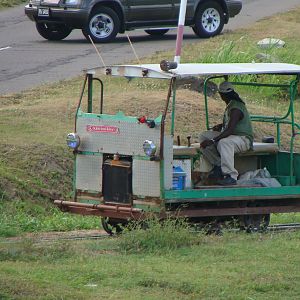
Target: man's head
[226,90]
[225,87]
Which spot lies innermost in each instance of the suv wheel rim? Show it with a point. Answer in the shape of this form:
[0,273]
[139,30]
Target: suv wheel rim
[211,20]
[101,26]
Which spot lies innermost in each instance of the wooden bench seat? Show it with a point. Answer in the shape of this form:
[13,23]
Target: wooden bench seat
[258,148]
[185,150]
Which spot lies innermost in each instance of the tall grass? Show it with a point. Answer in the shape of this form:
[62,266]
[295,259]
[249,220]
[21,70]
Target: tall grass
[154,235]
[17,217]
[10,3]
[27,250]
[229,52]
[245,50]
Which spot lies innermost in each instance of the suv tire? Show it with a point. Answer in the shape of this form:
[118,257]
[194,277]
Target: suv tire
[156,32]
[103,25]
[53,32]
[209,20]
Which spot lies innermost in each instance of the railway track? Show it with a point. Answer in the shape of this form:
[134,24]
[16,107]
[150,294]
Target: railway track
[60,236]
[77,238]
[87,235]
[284,227]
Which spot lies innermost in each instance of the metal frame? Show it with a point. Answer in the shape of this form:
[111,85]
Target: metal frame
[269,119]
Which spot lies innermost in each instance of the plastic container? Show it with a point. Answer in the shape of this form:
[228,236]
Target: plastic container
[179,177]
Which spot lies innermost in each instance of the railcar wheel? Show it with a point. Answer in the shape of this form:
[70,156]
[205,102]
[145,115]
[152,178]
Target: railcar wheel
[213,228]
[111,226]
[254,223]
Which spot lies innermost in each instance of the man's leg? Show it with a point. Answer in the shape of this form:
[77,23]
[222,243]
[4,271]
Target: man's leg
[227,147]
[210,156]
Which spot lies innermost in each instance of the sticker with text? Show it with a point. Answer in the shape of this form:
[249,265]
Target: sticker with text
[103,129]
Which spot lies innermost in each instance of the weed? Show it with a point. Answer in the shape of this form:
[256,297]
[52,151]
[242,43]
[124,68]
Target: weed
[244,50]
[24,216]
[153,235]
[29,250]
[10,3]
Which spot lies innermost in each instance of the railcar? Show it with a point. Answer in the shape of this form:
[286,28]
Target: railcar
[129,167]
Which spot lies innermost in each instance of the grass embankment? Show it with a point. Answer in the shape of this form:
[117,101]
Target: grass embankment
[11,3]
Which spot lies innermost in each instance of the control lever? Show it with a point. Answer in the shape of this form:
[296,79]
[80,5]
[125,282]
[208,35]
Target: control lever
[189,140]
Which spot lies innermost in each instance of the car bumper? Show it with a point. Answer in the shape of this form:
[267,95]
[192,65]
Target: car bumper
[73,17]
[234,7]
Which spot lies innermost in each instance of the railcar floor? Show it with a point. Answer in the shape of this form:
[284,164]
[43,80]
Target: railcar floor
[207,187]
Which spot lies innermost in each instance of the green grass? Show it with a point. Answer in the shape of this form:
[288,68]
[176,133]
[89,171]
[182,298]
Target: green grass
[11,3]
[285,218]
[232,266]
[18,217]
[244,50]
[154,236]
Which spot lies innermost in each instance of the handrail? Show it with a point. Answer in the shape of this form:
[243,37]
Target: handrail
[275,120]
[80,100]
[172,86]
[101,93]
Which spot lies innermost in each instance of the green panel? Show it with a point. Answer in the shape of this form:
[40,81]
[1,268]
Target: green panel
[205,194]
[120,116]
[279,165]
[297,167]
[270,162]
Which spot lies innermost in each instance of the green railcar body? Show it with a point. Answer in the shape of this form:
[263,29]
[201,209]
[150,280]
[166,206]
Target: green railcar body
[113,146]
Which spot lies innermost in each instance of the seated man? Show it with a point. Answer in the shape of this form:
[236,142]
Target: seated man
[234,135]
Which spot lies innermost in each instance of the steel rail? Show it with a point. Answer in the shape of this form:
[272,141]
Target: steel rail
[76,238]
[81,237]
[37,239]
[270,228]
[284,227]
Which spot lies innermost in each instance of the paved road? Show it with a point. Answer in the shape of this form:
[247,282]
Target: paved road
[27,60]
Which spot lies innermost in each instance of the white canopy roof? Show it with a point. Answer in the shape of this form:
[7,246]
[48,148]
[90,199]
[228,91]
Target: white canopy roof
[186,70]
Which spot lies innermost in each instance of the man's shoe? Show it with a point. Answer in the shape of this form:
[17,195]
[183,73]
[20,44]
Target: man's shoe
[227,180]
[215,173]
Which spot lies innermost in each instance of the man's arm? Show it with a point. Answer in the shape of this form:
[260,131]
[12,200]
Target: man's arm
[217,127]
[235,116]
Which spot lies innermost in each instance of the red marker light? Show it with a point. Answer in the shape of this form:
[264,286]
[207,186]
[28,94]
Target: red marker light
[142,119]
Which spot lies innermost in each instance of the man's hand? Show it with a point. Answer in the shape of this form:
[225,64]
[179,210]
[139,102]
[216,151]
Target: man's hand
[206,143]
[217,127]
